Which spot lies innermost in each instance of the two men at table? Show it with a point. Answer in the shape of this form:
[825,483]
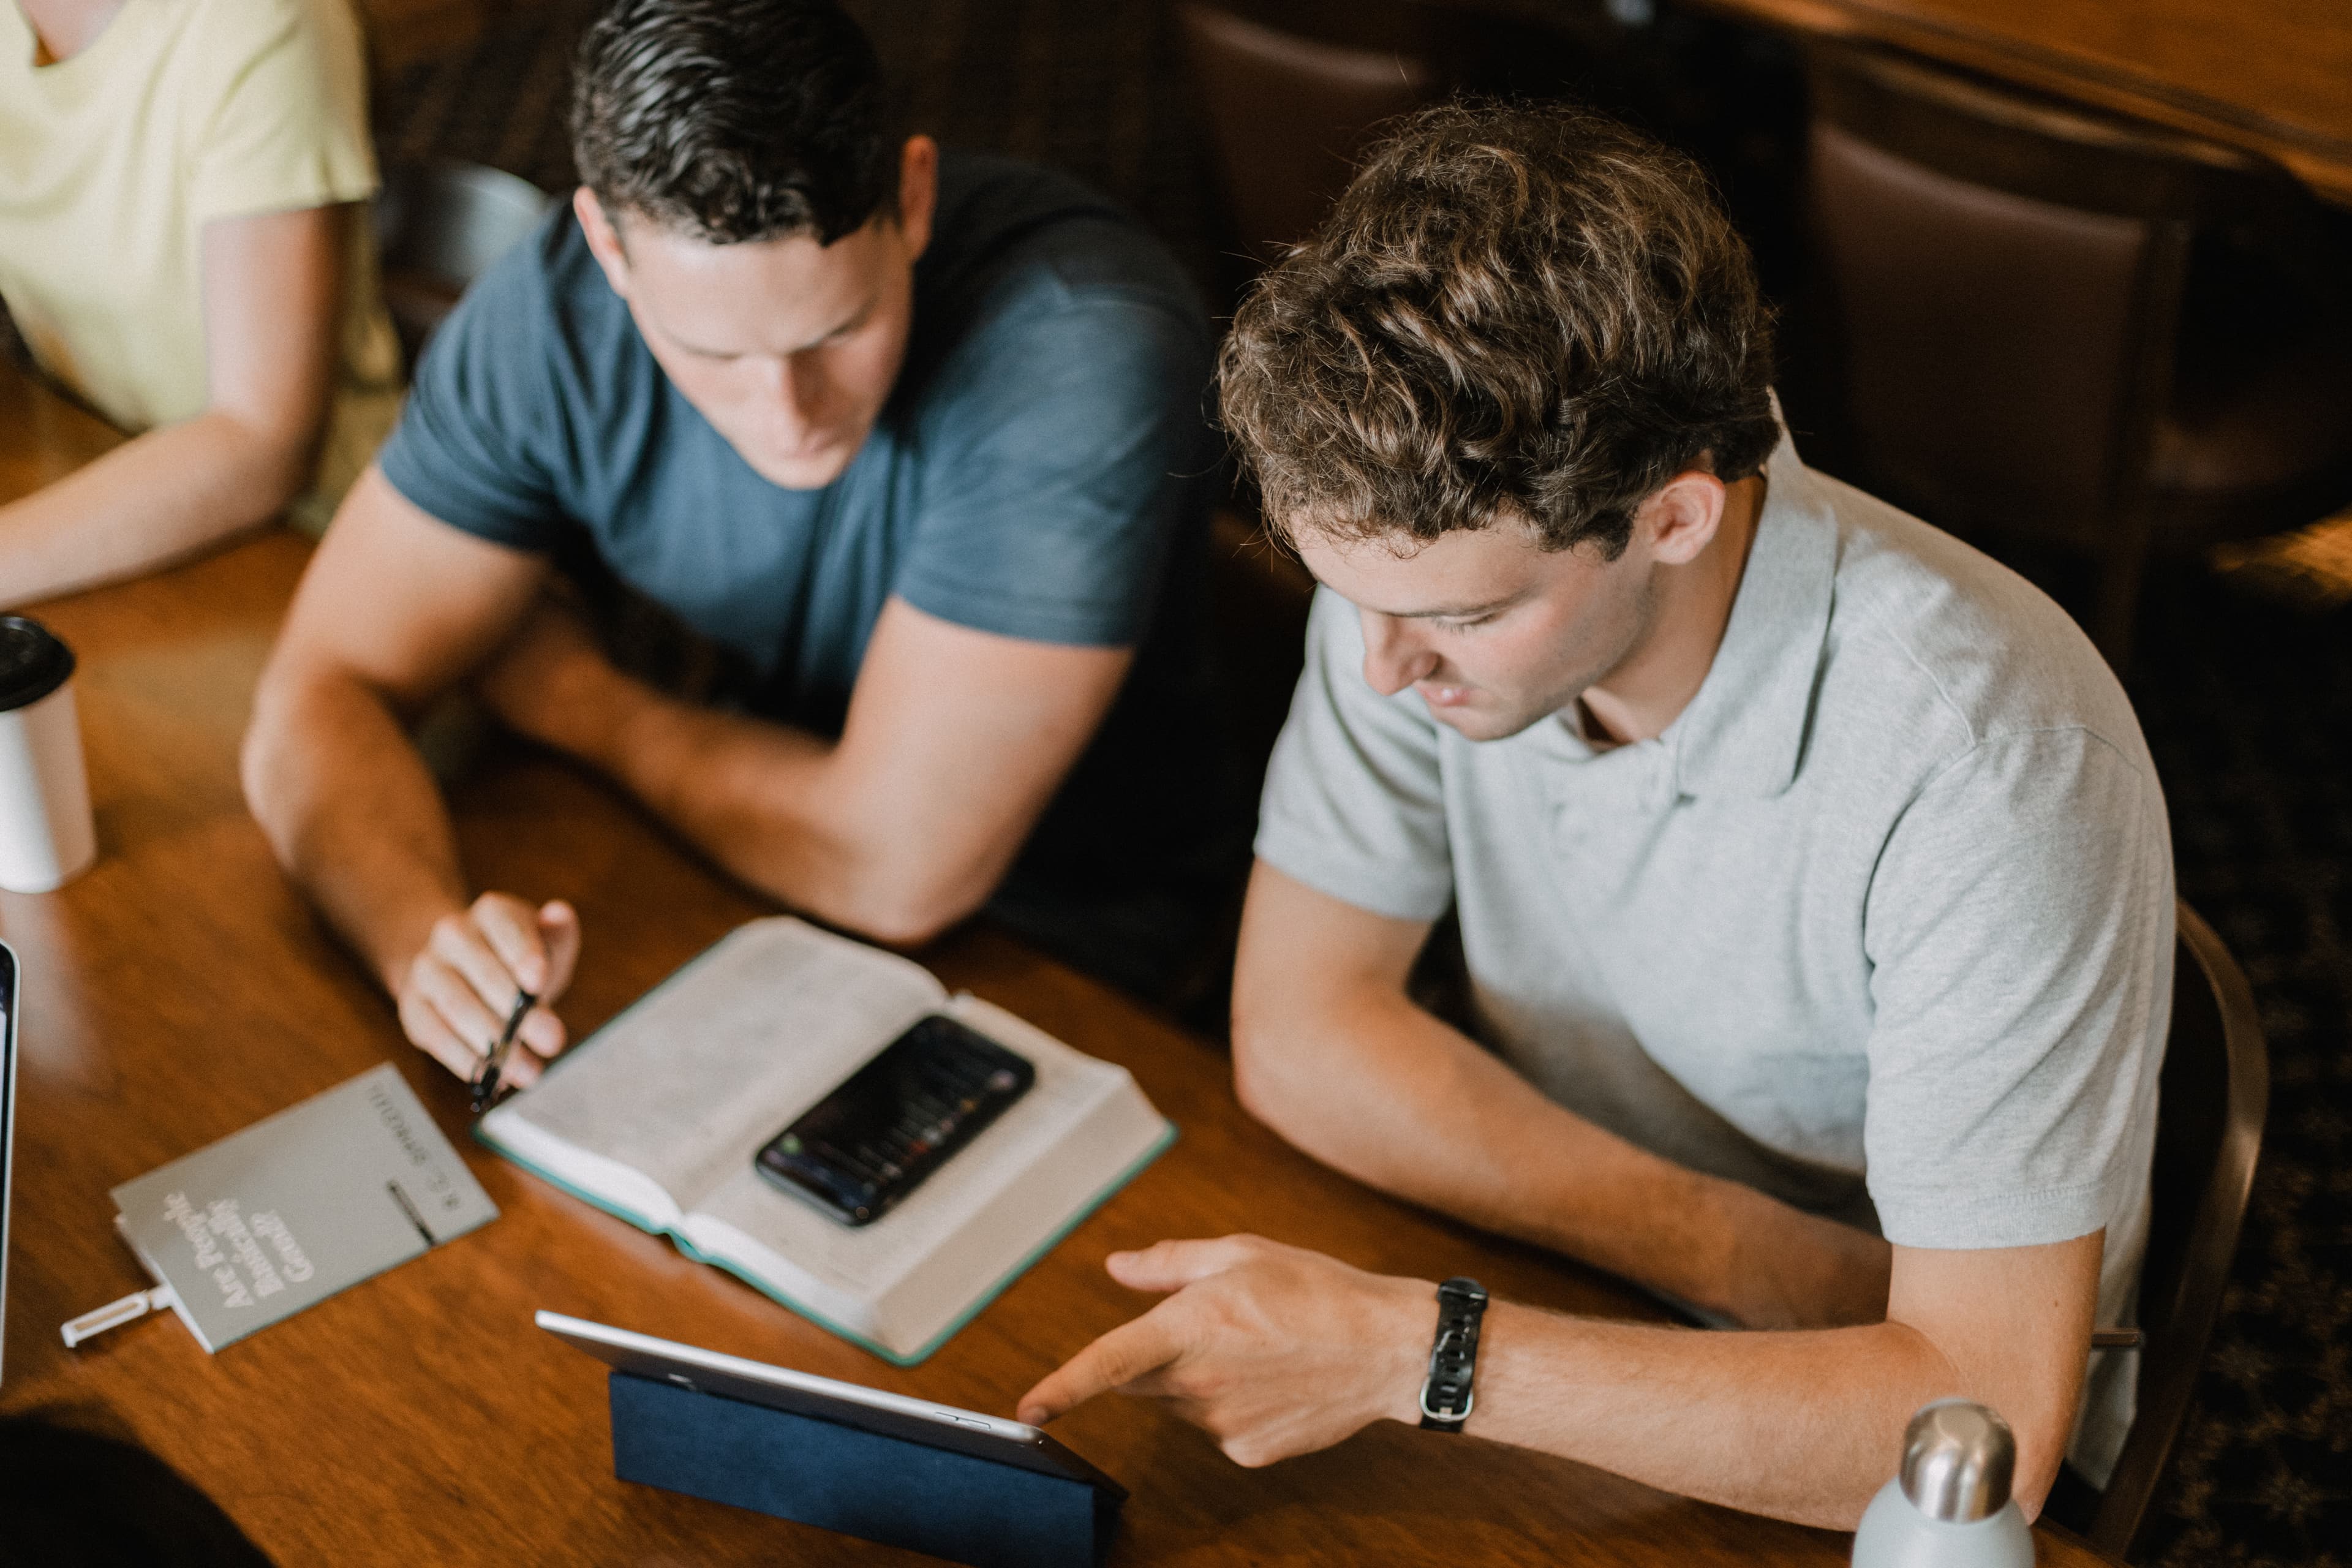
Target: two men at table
[1812,876]
[918,442]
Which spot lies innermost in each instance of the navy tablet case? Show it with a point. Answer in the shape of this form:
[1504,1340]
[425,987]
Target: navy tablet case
[960,1505]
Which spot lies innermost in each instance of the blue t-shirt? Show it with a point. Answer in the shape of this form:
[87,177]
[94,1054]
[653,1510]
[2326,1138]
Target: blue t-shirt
[1043,469]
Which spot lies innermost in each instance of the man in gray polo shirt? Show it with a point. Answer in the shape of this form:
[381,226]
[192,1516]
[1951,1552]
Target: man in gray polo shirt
[1812,876]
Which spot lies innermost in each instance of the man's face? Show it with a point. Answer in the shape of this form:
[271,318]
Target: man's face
[1494,631]
[788,347]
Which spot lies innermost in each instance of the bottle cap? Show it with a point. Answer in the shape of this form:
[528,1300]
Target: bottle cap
[1957,1460]
[32,662]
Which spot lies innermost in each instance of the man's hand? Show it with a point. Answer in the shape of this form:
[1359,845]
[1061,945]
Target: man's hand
[461,987]
[551,683]
[1273,1350]
[955,742]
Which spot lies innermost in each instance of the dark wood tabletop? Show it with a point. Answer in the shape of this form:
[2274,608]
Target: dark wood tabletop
[181,990]
[2273,78]
[42,435]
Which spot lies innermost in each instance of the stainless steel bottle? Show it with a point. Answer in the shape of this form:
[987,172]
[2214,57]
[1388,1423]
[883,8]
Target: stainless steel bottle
[1949,1507]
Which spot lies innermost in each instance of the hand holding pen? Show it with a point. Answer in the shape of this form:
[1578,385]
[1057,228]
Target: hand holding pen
[483,983]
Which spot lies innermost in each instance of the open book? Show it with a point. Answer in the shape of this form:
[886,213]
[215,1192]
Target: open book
[658,1115]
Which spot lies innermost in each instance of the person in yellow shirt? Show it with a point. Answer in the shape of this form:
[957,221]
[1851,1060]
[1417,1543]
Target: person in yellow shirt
[184,245]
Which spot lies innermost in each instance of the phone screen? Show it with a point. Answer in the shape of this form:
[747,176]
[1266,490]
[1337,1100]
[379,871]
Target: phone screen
[863,1148]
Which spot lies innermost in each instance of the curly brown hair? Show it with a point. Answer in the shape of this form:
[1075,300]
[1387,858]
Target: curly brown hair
[1516,310]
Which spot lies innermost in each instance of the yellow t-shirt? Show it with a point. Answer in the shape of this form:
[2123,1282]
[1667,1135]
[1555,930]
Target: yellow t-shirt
[112,162]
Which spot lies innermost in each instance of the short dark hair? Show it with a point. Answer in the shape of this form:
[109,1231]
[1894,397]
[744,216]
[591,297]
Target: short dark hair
[1514,310]
[734,120]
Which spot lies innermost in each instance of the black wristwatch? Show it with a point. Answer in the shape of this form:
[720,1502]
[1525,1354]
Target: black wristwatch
[1446,1397]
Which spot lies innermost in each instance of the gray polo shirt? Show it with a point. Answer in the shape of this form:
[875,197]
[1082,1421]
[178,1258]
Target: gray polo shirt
[1882,925]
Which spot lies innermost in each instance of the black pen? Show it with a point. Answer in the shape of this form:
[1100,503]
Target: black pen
[486,1088]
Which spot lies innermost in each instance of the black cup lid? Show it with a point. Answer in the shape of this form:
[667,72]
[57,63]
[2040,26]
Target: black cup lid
[32,662]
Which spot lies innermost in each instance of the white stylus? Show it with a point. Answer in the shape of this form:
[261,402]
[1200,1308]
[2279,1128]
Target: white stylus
[114,1314]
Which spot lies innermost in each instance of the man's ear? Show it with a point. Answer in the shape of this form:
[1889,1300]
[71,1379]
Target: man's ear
[919,192]
[603,239]
[1681,519]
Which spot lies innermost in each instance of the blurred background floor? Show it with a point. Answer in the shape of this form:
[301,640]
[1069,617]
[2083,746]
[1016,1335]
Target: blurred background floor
[2247,702]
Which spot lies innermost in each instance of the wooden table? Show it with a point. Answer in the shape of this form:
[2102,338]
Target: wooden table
[2273,76]
[181,990]
[42,435]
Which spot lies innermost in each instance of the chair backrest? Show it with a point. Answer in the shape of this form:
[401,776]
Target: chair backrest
[2003,275]
[1293,90]
[1287,114]
[438,226]
[2214,1094]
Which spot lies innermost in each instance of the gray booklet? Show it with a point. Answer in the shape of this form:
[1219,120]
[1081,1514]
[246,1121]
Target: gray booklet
[299,1206]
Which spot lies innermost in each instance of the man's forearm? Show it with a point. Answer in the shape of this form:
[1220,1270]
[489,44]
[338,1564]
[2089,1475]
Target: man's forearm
[954,743]
[1278,1350]
[354,817]
[760,798]
[750,793]
[1380,1089]
[158,497]
[1801,1426]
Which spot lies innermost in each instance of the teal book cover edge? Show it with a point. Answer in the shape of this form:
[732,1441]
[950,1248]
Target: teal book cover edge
[1109,1189]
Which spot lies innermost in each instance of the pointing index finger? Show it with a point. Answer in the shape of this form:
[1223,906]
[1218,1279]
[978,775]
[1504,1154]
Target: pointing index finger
[1119,1357]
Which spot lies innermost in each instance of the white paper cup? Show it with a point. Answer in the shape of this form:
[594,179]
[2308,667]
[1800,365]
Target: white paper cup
[46,838]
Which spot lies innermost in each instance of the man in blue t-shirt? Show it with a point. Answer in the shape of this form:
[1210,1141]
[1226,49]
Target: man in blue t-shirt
[917,444]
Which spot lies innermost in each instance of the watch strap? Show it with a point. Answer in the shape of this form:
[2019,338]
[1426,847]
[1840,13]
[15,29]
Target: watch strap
[1446,1399]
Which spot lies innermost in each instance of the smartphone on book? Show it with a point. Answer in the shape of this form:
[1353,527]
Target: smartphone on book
[858,1152]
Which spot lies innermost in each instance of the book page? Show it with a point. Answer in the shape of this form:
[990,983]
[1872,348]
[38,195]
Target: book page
[637,1197]
[687,1084]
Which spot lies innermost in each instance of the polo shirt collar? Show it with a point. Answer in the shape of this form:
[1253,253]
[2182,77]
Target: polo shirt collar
[1744,730]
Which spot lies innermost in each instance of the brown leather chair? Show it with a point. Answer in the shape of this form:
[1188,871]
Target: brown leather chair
[2009,285]
[1292,91]
[2213,1095]
[1286,116]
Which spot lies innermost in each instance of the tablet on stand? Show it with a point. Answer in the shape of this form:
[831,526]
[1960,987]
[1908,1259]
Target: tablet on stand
[973,1489]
